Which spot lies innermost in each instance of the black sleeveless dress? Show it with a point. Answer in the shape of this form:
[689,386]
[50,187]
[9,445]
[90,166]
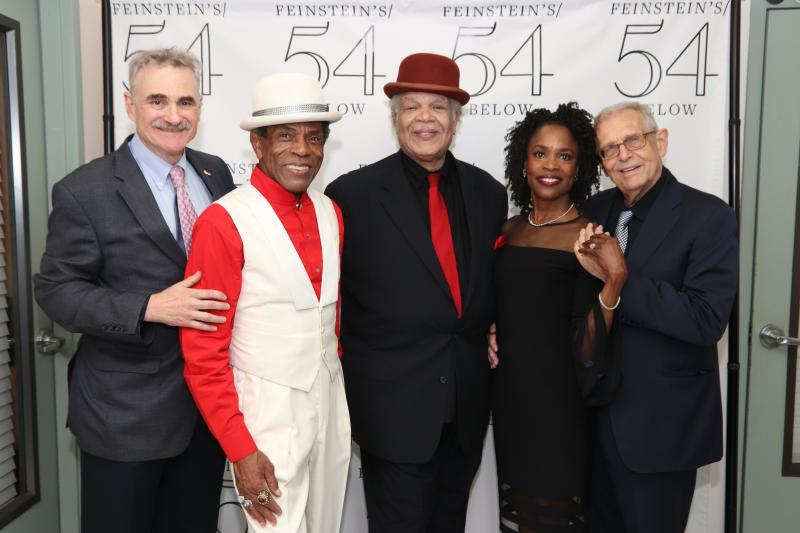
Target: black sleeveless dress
[541,426]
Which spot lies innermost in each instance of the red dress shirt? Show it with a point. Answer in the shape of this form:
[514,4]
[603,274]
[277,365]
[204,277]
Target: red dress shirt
[217,252]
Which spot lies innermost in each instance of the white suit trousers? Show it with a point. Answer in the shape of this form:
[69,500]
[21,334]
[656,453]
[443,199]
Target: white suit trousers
[306,435]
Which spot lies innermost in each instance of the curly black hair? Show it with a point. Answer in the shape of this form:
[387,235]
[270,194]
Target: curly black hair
[579,123]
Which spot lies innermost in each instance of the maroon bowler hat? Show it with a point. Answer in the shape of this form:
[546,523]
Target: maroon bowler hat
[428,73]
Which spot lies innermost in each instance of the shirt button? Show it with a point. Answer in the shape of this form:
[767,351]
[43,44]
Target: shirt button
[308,235]
[443,380]
[316,269]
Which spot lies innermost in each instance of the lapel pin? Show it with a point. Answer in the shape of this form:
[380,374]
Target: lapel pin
[206,172]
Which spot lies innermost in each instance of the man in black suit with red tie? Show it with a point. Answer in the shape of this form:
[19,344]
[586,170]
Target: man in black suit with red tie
[417,302]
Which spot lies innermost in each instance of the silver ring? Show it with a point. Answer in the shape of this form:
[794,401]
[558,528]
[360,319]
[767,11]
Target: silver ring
[592,245]
[245,502]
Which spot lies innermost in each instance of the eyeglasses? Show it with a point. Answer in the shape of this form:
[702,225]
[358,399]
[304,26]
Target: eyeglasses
[631,142]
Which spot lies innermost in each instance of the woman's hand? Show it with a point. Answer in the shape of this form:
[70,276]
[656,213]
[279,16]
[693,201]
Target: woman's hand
[599,253]
[491,340]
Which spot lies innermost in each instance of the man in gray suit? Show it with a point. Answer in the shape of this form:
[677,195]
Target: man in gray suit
[113,270]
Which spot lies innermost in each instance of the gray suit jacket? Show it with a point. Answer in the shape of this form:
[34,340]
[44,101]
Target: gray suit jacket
[108,248]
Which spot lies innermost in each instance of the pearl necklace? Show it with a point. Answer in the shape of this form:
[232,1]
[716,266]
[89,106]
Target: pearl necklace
[559,217]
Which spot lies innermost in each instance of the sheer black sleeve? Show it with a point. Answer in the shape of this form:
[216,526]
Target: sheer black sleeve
[598,374]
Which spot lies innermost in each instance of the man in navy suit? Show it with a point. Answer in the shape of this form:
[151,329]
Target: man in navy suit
[681,253]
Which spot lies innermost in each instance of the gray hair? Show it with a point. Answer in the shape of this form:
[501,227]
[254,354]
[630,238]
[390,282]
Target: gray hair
[455,108]
[160,57]
[645,111]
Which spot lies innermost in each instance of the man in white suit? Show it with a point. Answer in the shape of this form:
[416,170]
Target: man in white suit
[268,381]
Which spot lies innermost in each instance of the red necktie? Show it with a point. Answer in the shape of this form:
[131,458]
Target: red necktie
[443,239]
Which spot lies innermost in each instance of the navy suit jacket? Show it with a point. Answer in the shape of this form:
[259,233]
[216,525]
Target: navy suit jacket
[108,249]
[675,306]
[399,329]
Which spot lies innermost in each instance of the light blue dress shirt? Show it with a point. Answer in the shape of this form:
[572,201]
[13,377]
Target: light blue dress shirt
[156,173]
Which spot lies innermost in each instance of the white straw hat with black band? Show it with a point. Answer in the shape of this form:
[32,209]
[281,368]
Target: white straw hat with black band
[287,98]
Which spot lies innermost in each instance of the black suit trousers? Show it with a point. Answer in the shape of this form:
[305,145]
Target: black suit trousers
[175,495]
[624,501]
[430,497]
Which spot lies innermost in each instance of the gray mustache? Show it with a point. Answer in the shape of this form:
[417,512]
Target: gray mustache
[183,125]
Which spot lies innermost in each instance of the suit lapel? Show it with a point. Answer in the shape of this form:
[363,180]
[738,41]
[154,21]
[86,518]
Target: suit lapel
[137,194]
[600,210]
[473,208]
[207,174]
[398,199]
[659,222]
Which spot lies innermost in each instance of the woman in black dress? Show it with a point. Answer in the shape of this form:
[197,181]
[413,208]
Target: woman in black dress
[550,328]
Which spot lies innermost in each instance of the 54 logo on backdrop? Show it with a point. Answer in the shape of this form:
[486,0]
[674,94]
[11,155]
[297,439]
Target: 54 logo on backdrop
[525,56]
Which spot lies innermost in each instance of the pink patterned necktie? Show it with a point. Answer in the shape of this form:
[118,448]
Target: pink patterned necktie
[186,212]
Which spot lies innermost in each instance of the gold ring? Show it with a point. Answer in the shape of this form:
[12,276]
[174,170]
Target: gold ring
[264,497]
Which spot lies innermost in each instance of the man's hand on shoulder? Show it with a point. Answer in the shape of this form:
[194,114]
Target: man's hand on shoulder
[182,306]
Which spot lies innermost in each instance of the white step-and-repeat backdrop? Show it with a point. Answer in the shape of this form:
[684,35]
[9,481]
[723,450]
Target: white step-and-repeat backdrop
[514,57]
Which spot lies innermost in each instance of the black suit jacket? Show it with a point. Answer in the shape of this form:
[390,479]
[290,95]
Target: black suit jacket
[108,248]
[675,306]
[399,328]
